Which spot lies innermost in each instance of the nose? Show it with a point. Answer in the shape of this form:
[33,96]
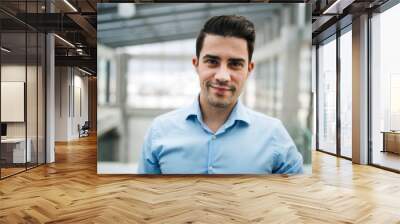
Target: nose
[223,74]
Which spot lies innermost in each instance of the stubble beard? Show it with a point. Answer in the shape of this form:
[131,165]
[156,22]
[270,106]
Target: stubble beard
[219,102]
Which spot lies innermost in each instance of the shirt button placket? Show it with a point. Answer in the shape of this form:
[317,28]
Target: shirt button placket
[210,159]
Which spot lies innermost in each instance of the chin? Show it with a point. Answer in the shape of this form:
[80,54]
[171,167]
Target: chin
[220,103]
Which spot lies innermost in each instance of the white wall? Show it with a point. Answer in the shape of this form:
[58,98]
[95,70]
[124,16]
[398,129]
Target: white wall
[80,94]
[61,103]
[70,83]
[33,125]
[12,73]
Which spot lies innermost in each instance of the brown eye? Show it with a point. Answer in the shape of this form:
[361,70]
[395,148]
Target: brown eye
[236,64]
[212,61]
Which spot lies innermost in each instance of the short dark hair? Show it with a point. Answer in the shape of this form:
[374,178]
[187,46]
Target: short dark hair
[231,26]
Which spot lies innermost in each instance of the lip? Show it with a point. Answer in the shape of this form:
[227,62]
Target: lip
[220,88]
[220,91]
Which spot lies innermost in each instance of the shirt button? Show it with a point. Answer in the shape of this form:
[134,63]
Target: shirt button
[214,137]
[210,167]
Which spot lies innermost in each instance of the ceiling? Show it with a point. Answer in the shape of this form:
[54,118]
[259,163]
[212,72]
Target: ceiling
[74,22]
[328,16]
[122,26]
[166,22]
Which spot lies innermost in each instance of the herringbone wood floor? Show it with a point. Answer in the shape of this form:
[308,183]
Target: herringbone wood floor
[70,191]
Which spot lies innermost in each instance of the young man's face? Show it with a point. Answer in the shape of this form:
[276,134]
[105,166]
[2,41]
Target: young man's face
[223,67]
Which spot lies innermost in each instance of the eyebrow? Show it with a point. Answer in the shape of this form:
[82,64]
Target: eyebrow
[211,56]
[218,58]
[237,60]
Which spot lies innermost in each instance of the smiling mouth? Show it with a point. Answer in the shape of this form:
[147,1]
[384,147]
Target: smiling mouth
[221,91]
[220,88]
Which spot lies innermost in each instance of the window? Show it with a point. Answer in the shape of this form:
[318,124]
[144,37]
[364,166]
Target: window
[385,88]
[327,96]
[161,78]
[345,94]
[22,70]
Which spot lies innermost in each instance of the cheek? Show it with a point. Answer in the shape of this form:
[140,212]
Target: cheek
[205,75]
[238,79]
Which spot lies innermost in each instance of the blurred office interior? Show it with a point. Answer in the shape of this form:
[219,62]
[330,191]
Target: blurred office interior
[144,70]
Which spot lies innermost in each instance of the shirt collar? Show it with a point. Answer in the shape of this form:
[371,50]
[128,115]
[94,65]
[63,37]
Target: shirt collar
[239,112]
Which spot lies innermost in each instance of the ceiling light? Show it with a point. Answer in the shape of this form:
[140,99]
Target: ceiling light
[5,49]
[86,72]
[328,10]
[79,51]
[338,6]
[65,41]
[70,5]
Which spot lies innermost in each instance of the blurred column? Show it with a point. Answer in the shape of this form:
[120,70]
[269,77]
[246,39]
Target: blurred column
[50,92]
[290,36]
[125,151]
[360,90]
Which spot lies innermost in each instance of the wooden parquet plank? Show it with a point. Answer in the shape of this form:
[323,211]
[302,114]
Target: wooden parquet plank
[70,191]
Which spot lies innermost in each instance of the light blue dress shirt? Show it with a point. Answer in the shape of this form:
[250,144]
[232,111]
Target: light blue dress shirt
[249,142]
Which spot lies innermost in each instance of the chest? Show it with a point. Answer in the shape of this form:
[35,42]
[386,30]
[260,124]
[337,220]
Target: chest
[236,151]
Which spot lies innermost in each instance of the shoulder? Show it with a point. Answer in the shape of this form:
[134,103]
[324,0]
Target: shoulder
[269,127]
[169,119]
[263,120]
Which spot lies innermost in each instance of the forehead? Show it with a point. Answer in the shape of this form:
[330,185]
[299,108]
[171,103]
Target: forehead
[224,46]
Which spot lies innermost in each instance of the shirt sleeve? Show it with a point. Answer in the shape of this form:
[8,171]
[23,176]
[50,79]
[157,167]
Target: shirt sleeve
[288,159]
[148,163]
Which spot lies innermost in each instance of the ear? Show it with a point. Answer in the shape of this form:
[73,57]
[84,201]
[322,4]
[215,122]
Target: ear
[251,67]
[195,63]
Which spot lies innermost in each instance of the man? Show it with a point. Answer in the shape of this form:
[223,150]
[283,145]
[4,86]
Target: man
[218,134]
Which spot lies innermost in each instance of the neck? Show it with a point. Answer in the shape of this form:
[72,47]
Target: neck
[214,117]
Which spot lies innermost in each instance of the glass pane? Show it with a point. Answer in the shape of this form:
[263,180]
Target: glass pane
[386,89]
[327,97]
[346,94]
[314,93]
[41,99]
[13,87]
[31,86]
[31,98]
